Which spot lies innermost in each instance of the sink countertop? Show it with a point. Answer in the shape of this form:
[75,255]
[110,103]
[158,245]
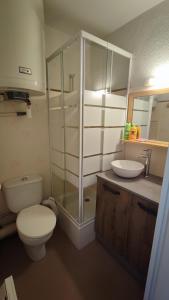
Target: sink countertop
[149,188]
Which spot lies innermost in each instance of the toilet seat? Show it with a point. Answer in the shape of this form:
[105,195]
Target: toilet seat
[36,221]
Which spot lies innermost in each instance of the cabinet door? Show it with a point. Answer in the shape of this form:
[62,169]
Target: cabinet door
[140,234]
[112,217]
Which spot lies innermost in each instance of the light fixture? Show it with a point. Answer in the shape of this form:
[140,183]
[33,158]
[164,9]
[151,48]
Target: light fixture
[160,78]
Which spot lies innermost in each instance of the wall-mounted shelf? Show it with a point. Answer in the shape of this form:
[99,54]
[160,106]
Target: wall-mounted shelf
[152,143]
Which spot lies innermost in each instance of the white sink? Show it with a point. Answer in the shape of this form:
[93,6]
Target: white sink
[127,168]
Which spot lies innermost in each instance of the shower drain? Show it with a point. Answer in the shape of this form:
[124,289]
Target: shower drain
[86,199]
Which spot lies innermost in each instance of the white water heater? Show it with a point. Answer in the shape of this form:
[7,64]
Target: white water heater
[22,56]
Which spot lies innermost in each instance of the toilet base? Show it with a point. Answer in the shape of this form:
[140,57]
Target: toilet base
[36,253]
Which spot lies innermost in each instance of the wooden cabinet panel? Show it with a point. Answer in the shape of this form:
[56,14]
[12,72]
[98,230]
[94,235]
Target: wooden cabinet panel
[125,224]
[140,233]
[112,216]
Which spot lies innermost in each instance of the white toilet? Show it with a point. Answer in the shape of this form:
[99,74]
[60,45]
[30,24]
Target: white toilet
[35,223]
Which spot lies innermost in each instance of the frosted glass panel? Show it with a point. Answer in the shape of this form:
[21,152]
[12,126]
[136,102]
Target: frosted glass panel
[114,117]
[92,164]
[112,140]
[91,141]
[71,70]
[95,66]
[93,116]
[113,100]
[93,98]
[120,74]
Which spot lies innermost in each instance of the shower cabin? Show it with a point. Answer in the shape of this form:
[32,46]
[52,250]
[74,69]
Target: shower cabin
[88,80]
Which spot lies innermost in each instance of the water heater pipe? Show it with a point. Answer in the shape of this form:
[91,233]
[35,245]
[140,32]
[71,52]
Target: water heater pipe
[7,230]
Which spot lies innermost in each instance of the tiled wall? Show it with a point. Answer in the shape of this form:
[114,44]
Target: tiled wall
[104,120]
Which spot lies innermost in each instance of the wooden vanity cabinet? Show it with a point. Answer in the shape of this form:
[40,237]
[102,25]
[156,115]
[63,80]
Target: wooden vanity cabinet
[125,225]
[112,217]
[140,233]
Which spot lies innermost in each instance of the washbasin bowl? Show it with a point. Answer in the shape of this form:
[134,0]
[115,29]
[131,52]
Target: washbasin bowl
[127,168]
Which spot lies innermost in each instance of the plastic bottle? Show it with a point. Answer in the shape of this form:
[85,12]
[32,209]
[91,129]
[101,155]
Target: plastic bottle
[138,132]
[127,131]
[133,133]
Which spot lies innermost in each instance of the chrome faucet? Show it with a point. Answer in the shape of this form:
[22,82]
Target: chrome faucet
[147,157]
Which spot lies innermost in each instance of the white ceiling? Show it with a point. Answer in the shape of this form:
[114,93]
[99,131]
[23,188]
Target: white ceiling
[96,16]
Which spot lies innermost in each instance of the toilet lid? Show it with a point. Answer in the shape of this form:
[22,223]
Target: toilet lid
[36,221]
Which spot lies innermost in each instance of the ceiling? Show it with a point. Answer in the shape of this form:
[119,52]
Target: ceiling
[99,17]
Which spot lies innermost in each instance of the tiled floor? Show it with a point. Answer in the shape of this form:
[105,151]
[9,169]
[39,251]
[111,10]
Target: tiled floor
[66,273]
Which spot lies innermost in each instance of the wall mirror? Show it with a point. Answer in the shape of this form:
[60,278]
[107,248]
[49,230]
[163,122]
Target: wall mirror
[150,110]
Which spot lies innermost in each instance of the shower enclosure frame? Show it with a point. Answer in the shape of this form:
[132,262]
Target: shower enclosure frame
[83,36]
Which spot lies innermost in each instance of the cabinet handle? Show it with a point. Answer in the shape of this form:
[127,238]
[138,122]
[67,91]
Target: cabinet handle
[147,209]
[107,188]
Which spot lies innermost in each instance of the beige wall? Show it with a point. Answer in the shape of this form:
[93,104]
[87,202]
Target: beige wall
[24,144]
[158,157]
[54,39]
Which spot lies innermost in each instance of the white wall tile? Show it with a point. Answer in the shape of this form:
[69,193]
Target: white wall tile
[112,140]
[57,138]
[115,117]
[107,159]
[56,130]
[141,104]
[72,164]
[89,180]
[113,100]
[72,141]
[140,117]
[55,101]
[91,141]
[92,97]
[92,116]
[56,118]
[91,164]
[72,179]
[72,116]
[57,171]
[57,158]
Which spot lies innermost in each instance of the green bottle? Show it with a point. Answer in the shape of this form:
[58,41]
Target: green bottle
[127,131]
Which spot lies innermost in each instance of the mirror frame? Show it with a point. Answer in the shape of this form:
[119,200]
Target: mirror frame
[141,93]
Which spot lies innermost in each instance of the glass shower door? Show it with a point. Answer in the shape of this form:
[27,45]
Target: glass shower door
[95,80]
[64,100]
[56,127]
[71,92]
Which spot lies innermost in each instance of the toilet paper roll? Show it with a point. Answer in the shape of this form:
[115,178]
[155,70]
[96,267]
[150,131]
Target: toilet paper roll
[50,202]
